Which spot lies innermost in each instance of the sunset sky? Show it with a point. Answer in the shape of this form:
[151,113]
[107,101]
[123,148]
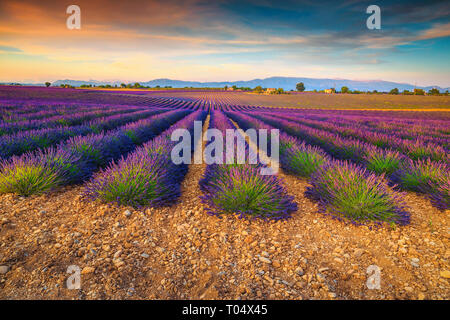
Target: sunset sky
[225,40]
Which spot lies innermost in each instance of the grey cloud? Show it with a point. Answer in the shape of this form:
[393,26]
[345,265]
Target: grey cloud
[9,49]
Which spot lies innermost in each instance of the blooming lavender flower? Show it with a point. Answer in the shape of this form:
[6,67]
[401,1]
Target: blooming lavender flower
[346,190]
[91,153]
[38,172]
[29,140]
[382,161]
[425,176]
[240,188]
[146,177]
[303,160]
[143,179]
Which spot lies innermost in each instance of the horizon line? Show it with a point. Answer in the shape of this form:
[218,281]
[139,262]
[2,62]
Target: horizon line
[223,81]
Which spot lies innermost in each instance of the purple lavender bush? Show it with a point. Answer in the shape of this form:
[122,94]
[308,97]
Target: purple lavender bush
[349,191]
[296,157]
[90,153]
[440,193]
[425,176]
[142,179]
[35,173]
[148,176]
[382,160]
[302,159]
[240,188]
[30,140]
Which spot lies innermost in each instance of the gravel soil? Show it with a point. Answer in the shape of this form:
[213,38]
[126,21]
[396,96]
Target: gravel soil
[180,252]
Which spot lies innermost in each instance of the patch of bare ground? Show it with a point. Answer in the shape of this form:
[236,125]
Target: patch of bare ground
[180,252]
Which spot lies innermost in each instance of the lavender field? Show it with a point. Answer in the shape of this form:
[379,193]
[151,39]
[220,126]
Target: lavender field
[87,176]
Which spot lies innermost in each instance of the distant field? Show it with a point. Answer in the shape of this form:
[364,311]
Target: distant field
[330,101]
[305,100]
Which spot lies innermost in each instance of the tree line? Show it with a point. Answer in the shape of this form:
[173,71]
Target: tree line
[300,87]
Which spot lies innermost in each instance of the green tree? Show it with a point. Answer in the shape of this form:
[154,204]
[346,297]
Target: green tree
[419,92]
[123,85]
[300,87]
[344,89]
[47,84]
[394,91]
[434,91]
[258,89]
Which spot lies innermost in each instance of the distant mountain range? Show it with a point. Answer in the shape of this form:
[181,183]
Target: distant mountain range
[287,83]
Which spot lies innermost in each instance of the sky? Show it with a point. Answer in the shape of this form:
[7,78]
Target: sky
[225,40]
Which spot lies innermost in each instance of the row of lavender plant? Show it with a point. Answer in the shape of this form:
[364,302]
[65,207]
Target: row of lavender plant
[28,110]
[25,141]
[402,123]
[420,148]
[389,121]
[431,117]
[13,108]
[425,176]
[378,160]
[363,197]
[146,177]
[21,106]
[61,95]
[65,120]
[95,111]
[401,128]
[78,158]
[296,156]
[404,128]
[17,114]
[232,188]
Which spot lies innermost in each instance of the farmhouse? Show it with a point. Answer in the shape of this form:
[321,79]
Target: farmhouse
[332,90]
[270,90]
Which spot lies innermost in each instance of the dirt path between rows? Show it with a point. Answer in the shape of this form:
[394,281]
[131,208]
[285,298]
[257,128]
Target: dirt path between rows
[180,252]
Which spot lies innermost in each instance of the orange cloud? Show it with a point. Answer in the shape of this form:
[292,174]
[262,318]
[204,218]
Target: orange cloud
[142,39]
[437,31]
